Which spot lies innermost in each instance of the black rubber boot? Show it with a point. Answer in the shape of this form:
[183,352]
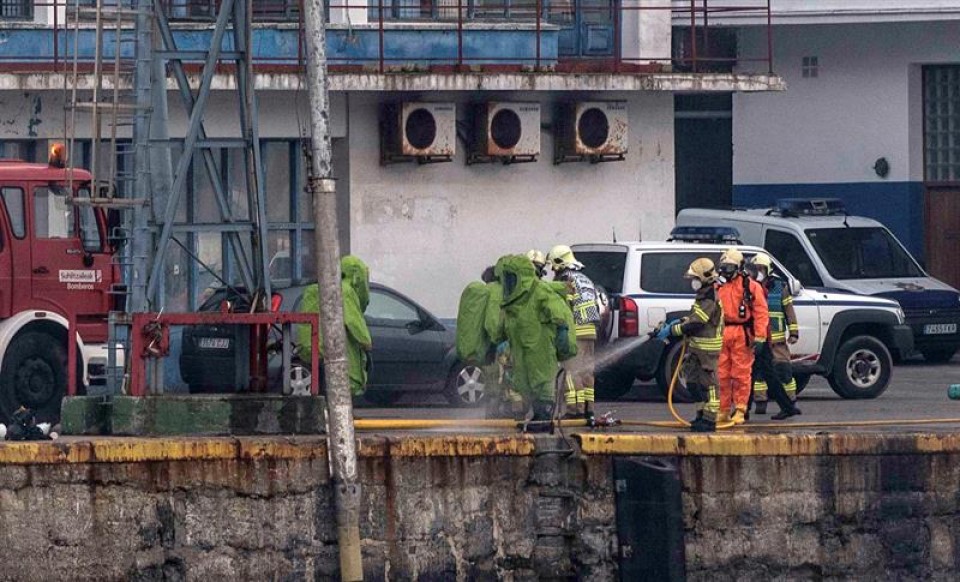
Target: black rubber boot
[588,414]
[542,420]
[785,414]
[760,407]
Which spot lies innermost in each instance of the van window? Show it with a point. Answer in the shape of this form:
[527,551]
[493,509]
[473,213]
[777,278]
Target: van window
[862,253]
[605,268]
[787,249]
[663,272]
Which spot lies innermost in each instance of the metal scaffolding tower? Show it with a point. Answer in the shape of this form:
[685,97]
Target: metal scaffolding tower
[149,178]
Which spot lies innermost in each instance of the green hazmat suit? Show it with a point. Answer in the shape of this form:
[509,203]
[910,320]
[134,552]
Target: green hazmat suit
[355,287]
[533,314]
[473,343]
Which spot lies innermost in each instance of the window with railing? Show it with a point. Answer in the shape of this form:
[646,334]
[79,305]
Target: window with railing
[451,9]
[16,10]
[206,10]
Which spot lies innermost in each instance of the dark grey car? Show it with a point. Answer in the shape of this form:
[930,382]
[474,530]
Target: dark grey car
[413,351]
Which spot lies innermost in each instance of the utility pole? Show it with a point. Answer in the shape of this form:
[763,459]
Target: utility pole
[341,440]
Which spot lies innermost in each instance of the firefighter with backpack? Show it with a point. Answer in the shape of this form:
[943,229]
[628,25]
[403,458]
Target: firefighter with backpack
[772,370]
[746,322]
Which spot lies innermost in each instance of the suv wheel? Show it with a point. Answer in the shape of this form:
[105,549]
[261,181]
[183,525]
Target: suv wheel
[938,355]
[466,386]
[862,368]
[671,360]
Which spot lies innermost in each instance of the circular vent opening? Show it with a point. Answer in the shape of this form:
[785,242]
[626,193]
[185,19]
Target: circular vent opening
[593,127]
[420,129]
[505,129]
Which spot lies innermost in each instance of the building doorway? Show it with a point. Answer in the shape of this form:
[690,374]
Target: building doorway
[941,137]
[703,138]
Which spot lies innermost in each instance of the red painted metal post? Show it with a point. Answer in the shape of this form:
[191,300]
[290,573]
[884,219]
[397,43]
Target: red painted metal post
[539,16]
[706,31]
[459,35]
[72,355]
[769,39]
[617,36]
[380,23]
[693,35]
[56,37]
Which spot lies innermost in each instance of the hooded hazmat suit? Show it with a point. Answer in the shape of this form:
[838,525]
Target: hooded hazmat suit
[537,323]
[481,340]
[355,286]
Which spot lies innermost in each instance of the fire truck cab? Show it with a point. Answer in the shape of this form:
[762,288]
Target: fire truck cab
[55,266]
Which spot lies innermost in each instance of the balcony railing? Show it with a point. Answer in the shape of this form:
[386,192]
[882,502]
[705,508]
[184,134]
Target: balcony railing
[397,36]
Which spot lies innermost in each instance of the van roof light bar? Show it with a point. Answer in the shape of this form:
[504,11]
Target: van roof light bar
[809,207]
[705,234]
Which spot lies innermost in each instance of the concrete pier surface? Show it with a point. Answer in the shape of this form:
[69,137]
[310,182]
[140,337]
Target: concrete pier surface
[588,505]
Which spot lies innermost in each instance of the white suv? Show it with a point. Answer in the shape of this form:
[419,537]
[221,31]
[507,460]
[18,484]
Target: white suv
[846,338]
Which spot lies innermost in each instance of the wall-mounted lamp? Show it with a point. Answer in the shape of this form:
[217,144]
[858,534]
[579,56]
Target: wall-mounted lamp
[882,167]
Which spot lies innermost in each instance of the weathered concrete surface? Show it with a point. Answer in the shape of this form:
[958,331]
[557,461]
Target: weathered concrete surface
[259,509]
[756,507]
[222,414]
[391,82]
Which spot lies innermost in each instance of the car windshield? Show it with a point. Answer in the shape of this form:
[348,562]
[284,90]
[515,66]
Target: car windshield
[862,253]
[605,268]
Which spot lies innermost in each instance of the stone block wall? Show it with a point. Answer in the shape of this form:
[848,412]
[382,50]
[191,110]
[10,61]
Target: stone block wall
[474,508]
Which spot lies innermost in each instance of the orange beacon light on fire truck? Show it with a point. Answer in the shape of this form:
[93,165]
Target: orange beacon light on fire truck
[58,156]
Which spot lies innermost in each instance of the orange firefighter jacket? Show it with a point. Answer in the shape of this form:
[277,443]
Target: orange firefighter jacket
[753,316]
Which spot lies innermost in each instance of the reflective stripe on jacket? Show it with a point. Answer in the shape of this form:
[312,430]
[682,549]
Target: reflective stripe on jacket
[583,301]
[703,328]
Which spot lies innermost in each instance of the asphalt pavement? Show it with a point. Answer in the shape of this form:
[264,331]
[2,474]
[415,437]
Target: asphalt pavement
[917,391]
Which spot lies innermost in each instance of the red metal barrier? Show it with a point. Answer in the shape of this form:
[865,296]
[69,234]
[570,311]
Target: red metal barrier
[150,338]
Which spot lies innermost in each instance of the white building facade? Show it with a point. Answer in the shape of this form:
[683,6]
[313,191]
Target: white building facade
[871,115]
[426,229]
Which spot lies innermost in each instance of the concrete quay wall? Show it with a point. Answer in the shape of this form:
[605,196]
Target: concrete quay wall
[754,507]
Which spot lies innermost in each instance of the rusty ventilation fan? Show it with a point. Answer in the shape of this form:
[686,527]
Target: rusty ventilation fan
[506,132]
[591,131]
[421,132]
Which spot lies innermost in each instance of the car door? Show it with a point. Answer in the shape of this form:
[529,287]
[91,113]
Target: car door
[407,348]
[665,290]
[64,275]
[808,318]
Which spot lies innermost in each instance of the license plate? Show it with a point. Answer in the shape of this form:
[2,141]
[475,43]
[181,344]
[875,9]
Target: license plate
[939,328]
[215,343]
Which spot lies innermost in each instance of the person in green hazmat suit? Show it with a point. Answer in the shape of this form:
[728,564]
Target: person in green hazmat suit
[355,286]
[538,325]
[479,337]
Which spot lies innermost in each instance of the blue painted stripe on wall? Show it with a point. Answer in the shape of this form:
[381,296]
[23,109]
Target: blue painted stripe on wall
[899,205]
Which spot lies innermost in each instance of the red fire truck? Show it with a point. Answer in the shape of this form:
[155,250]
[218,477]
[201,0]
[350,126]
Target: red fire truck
[55,266]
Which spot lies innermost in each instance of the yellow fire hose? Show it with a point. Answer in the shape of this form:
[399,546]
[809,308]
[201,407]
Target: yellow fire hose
[678,423]
[673,382]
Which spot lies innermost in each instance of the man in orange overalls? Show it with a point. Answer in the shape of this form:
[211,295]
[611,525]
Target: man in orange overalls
[746,320]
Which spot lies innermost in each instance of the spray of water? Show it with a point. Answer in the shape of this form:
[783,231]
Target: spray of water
[619,350]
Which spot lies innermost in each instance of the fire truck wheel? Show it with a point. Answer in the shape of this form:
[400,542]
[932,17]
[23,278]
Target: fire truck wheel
[34,374]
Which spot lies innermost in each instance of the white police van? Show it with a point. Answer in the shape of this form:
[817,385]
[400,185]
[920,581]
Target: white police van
[828,249]
[846,338]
